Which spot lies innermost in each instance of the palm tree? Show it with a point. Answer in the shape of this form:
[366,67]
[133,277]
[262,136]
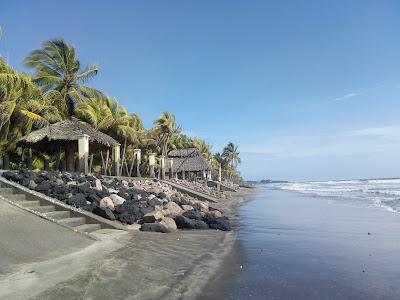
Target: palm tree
[96,113]
[203,147]
[165,128]
[22,107]
[57,68]
[231,155]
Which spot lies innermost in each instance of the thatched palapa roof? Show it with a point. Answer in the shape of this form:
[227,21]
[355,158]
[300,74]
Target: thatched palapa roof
[63,133]
[188,159]
[188,152]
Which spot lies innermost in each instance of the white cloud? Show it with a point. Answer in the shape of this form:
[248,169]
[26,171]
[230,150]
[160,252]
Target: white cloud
[347,96]
[379,132]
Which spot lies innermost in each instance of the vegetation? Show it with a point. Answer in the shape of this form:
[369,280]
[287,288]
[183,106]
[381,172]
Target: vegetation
[57,90]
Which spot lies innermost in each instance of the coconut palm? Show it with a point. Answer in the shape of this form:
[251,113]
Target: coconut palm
[96,113]
[203,147]
[165,128]
[231,154]
[57,68]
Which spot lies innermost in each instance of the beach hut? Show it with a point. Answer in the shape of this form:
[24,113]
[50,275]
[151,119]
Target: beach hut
[73,137]
[188,162]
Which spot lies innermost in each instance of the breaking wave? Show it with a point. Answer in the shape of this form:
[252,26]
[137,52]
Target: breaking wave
[371,192]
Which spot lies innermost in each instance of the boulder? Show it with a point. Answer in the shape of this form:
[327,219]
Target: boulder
[221,223]
[201,206]
[93,198]
[215,214]
[117,200]
[187,207]
[155,201]
[153,216]
[193,214]
[112,191]
[186,223]
[169,223]
[32,185]
[154,227]
[106,202]
[97,185]
[171,208]
[44,186]
[126,218]
[162,195]
[78,200]
[71,182]
[104,212]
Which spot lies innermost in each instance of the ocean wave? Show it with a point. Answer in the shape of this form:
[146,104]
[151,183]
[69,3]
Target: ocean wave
[383,193]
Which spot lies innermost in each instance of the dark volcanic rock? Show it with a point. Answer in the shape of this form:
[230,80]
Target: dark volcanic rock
[221,223]
[193,214]
[78,200]
[126,218]
[186,223]
[162,195]
[104,212]
[93,198]
[154,227]
[44,186]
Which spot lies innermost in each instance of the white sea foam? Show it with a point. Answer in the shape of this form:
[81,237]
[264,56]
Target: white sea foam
[372,192]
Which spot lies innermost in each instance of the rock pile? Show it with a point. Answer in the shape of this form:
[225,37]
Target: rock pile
[154,205]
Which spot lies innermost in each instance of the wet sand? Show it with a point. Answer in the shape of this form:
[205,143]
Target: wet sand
[308,247]
[135,265]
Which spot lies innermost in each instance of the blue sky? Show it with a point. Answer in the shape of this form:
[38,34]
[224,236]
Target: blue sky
[307,89]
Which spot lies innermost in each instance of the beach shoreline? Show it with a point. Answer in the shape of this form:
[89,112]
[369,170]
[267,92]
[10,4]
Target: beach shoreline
[139,265]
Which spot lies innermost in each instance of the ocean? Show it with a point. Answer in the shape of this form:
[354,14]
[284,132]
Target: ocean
[383,193]
[320,240]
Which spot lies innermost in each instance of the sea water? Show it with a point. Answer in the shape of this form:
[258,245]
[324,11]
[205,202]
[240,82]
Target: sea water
[368,192]
[320,240]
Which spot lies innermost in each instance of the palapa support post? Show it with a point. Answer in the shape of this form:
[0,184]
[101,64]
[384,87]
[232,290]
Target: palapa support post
[205,177]
[183,174]
[69,158]
[83,153]
[137,156]
[152,162]
[116,159]
[170,165]
[219,173]
[162,165]
[29,159]
[46,165]
[6,162]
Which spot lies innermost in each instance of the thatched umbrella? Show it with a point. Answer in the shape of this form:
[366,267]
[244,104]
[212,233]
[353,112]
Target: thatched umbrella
[70,135]
[188,160]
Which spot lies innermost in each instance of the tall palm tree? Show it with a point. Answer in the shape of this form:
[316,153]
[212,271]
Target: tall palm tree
[165,128]
[22,106]
[231,154]
[203,147]
[57,68]
[96,113]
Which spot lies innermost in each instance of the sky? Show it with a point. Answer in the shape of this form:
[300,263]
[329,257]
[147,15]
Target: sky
[308,90]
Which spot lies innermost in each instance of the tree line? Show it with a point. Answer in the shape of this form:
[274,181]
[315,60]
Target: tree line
[57,90]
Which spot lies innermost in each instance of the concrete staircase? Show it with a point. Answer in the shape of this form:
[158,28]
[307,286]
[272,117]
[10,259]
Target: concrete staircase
[62,214]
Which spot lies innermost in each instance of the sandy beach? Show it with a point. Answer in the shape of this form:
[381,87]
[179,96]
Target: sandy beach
[135,265]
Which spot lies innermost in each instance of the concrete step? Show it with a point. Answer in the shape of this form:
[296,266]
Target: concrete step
[73,222]
[88,227]
[16,197]
[33,203]
[6,191]
[44,208]
[58,214]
